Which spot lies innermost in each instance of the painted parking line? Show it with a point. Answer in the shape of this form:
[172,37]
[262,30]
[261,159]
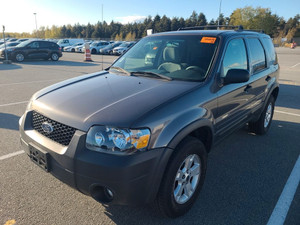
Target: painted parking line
[295,65]
[30,82]
[284,202]
[13,103]
[291,114]
[11,155]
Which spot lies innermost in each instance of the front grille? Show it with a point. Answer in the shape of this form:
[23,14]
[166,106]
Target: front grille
[61,133]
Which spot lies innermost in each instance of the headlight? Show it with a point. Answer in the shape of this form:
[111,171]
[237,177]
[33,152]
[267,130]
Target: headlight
[117,140]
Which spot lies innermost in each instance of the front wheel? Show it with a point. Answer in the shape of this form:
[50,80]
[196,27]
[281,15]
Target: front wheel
[262,125]
[19,57]
[54,56]
[183,178]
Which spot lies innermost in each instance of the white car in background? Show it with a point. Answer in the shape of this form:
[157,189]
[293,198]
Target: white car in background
[68,42]
[96,46]
[72,47]
[123,48]
[79,48]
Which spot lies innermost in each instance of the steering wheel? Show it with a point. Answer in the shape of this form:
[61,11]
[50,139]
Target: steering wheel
[196,68]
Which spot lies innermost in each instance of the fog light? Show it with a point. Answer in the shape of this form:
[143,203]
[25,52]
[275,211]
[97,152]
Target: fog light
[109,193]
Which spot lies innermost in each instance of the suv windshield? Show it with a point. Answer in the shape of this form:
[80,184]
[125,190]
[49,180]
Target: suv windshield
[24,43]
[183,57]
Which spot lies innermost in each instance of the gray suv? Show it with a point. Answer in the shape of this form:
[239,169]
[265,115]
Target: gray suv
[140,131]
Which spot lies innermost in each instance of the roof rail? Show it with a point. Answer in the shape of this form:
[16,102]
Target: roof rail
[212,27]
[259,31]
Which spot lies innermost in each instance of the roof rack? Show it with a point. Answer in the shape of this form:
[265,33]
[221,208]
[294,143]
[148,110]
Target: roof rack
[259,31]
[212,27]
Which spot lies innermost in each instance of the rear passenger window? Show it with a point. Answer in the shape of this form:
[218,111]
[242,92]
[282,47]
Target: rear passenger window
[235,56]
[44,44]
[258,58]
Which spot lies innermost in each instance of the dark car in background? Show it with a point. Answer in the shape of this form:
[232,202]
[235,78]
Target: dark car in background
[33,49]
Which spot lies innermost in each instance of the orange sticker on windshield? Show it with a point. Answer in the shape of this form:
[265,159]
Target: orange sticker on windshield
[209,40]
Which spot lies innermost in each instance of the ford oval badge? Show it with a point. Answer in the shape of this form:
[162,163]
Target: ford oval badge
[47,127]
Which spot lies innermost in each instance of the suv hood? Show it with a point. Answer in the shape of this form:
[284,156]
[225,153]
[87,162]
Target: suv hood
[105,99]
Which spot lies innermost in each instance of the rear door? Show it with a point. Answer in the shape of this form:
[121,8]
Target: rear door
[44,51]
[258,70]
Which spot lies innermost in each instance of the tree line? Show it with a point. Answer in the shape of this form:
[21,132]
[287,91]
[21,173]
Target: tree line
[250,18]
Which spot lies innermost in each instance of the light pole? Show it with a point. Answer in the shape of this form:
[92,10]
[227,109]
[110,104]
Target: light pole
[219,13]
[35,23]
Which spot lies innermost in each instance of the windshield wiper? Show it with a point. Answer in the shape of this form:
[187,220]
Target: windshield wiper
[150,74]
[120,70]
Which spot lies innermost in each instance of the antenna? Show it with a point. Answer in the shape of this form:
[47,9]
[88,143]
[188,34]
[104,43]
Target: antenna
[102,27]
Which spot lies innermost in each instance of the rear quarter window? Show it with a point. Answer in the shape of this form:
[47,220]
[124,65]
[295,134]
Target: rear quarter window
[268,44]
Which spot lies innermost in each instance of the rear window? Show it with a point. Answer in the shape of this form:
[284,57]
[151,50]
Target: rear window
[258,58]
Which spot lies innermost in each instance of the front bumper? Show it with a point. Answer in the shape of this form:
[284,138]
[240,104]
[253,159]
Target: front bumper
[133,179]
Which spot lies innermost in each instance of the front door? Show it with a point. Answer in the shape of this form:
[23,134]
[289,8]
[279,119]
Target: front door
[234,100]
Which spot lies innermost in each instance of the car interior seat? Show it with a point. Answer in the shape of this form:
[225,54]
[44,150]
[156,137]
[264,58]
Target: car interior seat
[171,58]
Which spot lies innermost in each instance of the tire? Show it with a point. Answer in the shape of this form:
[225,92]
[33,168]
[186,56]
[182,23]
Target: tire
[72,50]
[262,125]
[19,57]
[180,187]
[94,51]
[54,56]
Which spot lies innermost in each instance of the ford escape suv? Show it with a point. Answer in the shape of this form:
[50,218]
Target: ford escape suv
[140,131]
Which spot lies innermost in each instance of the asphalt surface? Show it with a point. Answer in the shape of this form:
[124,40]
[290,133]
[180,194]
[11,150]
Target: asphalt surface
[245,177]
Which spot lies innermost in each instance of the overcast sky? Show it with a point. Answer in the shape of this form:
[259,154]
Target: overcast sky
[17,15]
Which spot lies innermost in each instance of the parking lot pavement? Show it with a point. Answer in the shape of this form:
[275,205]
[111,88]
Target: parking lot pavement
[245,177]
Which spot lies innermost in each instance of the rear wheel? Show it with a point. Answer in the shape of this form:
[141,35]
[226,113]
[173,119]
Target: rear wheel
[262,125]
[19,57]
[54,56]
[183,178]
[94,51]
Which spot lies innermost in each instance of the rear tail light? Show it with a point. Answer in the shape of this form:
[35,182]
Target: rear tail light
[59,48]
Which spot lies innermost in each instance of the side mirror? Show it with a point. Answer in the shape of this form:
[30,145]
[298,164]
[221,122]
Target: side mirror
[236,76]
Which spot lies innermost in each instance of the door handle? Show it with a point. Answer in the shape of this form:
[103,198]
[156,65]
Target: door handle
[268,78]
[247,88]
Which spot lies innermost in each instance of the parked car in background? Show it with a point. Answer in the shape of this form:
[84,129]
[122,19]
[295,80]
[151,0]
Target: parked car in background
[9,44]
[33,49]
[108,50]
[123,48]
[13,39]
[68,42]
[80,47]
[72,47]
[23,39]
[96,46]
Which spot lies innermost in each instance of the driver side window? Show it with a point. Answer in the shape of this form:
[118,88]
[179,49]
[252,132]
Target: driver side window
[34,45]
[235,56]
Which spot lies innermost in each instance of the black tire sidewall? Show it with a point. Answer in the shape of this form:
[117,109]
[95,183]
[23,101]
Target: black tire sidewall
[258,126]
[167,203]
[272,101]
